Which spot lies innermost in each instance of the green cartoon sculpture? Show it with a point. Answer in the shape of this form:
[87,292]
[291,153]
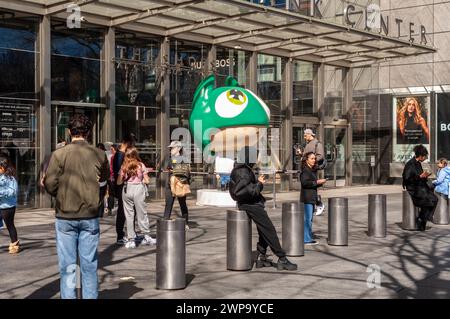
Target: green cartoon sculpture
[231,109]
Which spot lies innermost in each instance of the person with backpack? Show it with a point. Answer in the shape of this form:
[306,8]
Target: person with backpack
[415,182]
[314,146]
[8,200]
[246,190]
[178,181]
[134,178]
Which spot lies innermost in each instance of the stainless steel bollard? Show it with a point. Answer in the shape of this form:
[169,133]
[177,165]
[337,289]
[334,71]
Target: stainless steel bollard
[377,215]
[441,215]
[239,240]
[171,254]
[338,221]
[293,221]
[409,213]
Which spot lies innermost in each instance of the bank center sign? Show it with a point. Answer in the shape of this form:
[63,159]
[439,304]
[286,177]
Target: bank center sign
[373,20]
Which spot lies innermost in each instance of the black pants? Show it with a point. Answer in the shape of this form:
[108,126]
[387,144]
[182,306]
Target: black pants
[169,205]
[110,196]
[101,209]
[427,212]
[120,218]
[266,230]
[8,218]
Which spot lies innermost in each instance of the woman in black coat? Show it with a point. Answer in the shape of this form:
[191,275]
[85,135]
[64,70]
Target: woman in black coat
[308,196]
[415,182]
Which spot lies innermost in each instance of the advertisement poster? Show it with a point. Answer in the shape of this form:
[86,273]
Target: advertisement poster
[15,122]
[443,127]
[411,125]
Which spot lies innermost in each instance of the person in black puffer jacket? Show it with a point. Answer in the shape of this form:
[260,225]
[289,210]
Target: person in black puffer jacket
[246,190]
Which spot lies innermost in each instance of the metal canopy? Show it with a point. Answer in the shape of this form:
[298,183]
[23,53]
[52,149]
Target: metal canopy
[236,24]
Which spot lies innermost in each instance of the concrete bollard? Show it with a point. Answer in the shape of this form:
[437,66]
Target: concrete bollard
[338,221]
[441,215]
[293,221]
[239,241]
[409,213]
[377,215]
[171,254]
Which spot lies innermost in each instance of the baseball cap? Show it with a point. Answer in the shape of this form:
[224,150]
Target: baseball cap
[175,144]
[108,144]
[309,131]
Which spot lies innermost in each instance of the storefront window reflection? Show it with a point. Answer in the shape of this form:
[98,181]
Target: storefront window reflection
[75,64]
[231,62]
[270,70]
[303,87]
[137,88]
[334,101]
[136,73]
[19,101]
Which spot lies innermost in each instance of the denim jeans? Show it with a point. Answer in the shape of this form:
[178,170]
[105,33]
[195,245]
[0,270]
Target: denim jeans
[309,210]
[80,236]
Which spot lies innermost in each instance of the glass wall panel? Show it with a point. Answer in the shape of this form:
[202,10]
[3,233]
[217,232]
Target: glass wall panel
[187,63]
[366,130]
[334,100]
[136,90]
[270,70]
[136,70]
[303,87]
[19,100]
[231,62]
[75,63]
[269,88]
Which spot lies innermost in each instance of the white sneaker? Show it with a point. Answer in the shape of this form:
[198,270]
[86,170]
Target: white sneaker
[130,244]
[148,240]
[320,210]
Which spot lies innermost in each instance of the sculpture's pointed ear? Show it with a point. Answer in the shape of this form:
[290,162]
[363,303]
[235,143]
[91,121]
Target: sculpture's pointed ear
[204,88]
[231,81]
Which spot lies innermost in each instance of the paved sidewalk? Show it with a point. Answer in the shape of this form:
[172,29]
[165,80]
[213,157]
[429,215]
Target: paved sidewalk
[413,264]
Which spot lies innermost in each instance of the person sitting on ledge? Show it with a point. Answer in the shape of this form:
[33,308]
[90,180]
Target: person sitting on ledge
[415,182]
[246,190]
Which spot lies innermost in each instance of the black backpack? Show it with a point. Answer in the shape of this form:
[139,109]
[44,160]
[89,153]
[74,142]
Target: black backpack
[322,164]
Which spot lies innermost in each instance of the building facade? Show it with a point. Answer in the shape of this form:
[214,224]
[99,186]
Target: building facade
[133,68]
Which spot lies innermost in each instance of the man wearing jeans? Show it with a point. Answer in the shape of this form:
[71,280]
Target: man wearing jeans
[73,177]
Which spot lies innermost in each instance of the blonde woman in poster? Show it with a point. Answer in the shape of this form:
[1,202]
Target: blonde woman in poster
[412,125]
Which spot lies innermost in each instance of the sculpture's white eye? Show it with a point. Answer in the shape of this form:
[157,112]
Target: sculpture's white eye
[231,103]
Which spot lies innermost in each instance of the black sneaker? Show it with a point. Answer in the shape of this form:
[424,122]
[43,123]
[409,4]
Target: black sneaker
[263,261]
[284,264]
[121,241]
[421,224]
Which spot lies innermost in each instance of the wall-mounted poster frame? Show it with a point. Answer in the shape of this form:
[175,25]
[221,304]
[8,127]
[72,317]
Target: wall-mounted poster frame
[411,125]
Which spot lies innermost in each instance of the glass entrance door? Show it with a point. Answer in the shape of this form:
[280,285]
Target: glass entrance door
[60,120]
[298,141]
[334,147]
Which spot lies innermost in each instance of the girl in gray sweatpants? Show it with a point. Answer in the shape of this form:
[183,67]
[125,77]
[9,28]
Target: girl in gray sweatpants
[134,176]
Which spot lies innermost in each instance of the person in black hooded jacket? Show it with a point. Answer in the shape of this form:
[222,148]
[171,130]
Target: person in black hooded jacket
[246,189]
